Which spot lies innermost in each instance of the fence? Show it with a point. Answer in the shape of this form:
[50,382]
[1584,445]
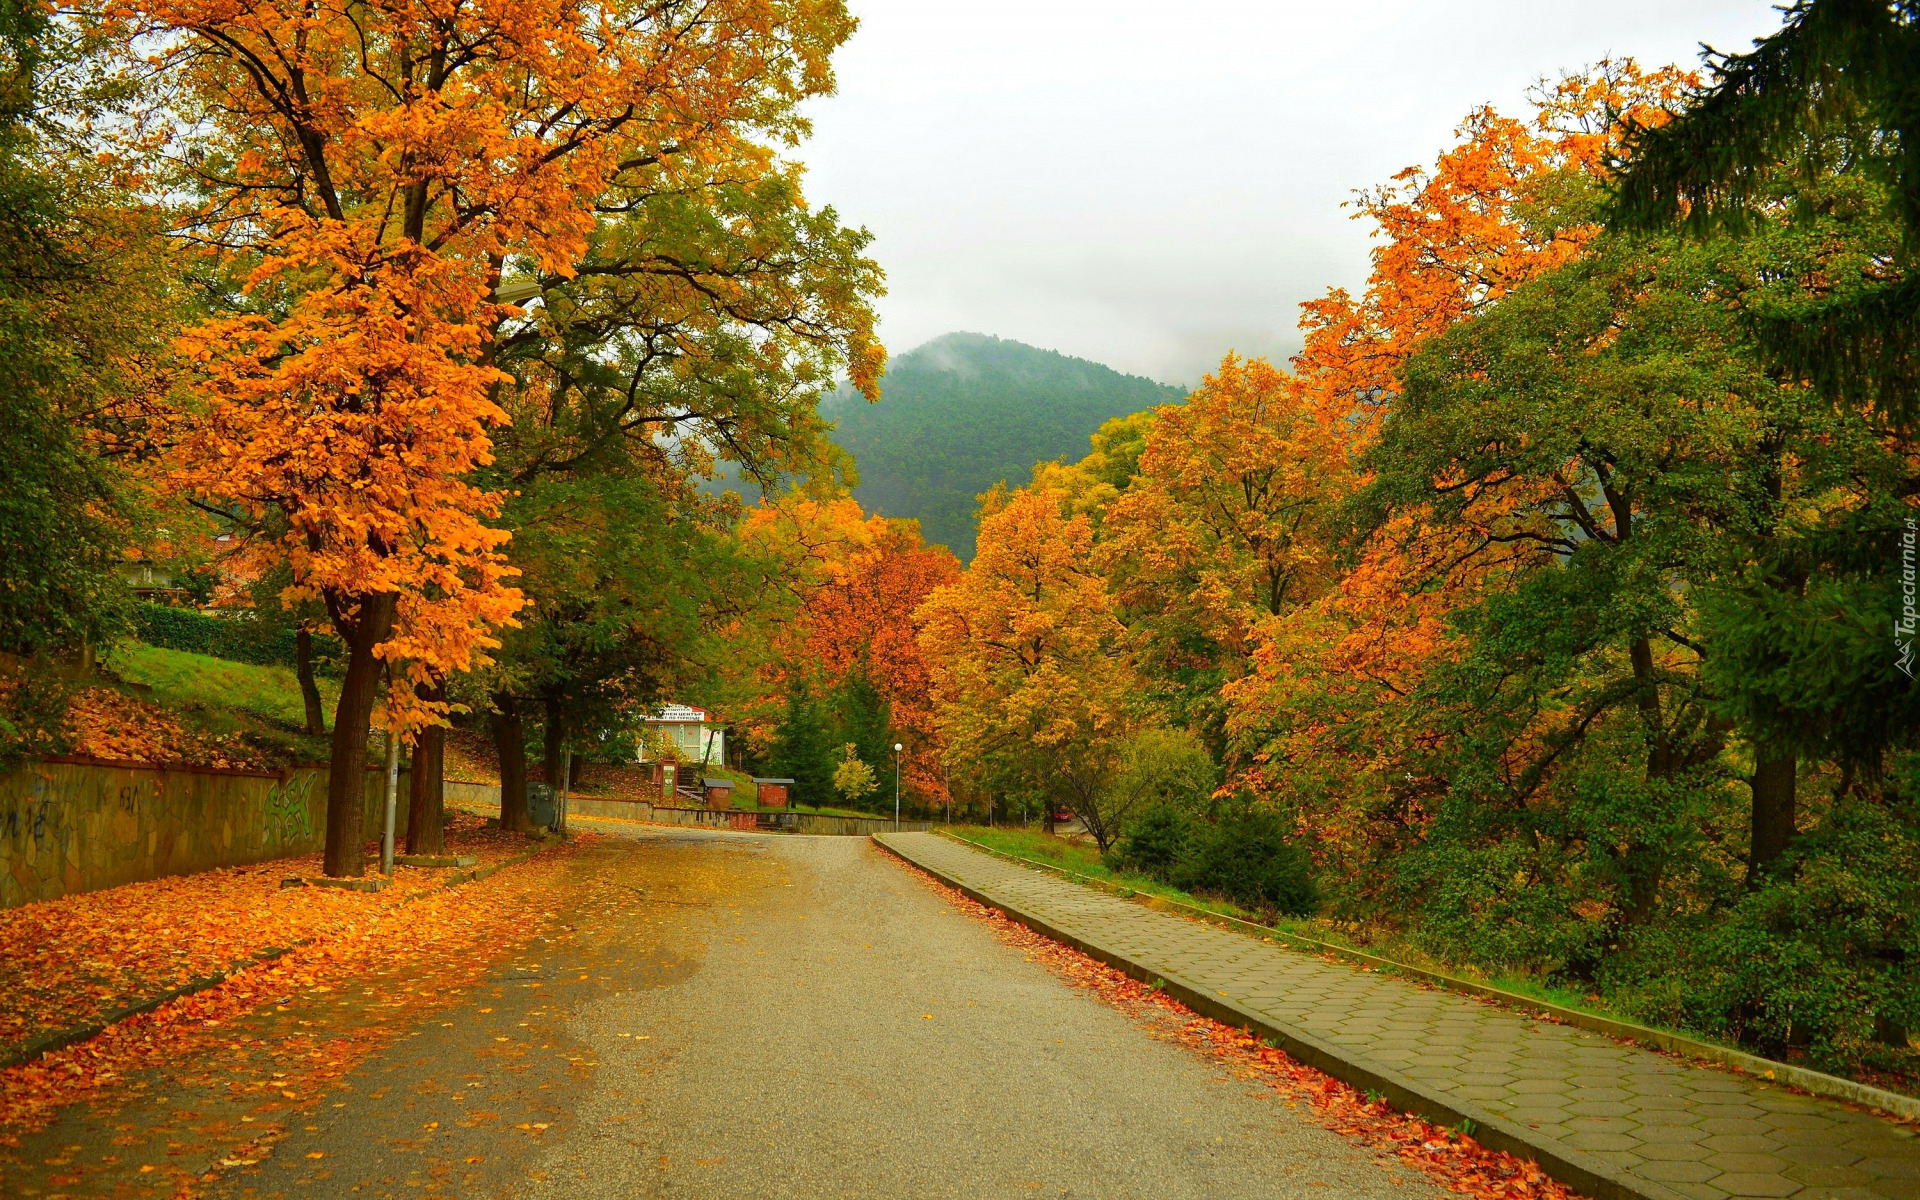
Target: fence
[75,825]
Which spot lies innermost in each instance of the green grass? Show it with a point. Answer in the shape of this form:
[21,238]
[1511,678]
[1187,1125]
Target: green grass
[1084,859]
[187,681]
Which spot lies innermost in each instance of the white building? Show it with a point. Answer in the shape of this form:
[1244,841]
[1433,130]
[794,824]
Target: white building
[692,732]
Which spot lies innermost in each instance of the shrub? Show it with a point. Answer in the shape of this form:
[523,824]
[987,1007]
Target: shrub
[237,639]
[1248,857]
[1155,844]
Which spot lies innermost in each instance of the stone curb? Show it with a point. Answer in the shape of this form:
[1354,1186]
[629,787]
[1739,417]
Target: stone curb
[60,1039]
[1571,1167]
[1818,1083]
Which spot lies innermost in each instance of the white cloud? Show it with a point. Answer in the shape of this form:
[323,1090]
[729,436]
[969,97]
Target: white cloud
[1149,185]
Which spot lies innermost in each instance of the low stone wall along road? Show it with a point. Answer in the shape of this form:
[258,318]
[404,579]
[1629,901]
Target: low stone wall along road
[1609,1118]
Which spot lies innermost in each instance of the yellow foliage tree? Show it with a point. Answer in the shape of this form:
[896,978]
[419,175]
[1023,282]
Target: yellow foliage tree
[1030,685]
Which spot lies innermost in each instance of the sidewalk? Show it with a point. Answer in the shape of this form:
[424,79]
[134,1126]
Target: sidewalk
[1610,1119]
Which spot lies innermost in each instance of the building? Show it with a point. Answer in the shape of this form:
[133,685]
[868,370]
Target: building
[773,792]
[691,732]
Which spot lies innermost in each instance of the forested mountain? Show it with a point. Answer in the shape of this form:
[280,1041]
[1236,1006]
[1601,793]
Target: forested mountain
[963,412]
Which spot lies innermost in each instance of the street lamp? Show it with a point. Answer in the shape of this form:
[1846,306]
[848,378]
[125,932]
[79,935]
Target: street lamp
[896,787]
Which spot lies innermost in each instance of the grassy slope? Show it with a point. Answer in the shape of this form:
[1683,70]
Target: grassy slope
[182,680]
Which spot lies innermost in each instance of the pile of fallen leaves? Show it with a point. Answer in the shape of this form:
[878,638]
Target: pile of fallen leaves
[68,961]
[104,723]
[398,962]
[1447,1156]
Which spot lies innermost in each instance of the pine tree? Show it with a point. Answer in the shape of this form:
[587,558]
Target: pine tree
[803,749]
[862,719]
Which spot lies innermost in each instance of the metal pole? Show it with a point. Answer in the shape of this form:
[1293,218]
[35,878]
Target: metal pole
[896,787]
[393,796]
[566,779]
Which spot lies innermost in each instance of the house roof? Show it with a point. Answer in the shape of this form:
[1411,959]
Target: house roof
[716,783]
[757,779]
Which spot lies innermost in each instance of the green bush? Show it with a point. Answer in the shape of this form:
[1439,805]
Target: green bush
[236,639]
[1155,844]
[1248,857]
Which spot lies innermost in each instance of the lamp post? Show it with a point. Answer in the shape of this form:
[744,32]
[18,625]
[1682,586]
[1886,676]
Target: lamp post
[896,787]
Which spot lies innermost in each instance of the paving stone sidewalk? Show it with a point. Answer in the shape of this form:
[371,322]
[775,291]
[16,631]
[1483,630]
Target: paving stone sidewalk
[1609,1118]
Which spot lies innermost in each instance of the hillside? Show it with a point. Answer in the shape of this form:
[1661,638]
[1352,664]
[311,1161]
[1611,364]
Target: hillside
[965,411]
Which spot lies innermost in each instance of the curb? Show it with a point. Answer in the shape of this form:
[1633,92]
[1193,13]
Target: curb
[1571,1167]
[1818,1083]
[46,1043]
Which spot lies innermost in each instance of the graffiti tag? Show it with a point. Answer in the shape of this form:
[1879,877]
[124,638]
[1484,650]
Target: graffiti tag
[288,818]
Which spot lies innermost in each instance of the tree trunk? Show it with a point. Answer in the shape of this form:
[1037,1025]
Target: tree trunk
[309,690]
[1773,784]
[346,776]
[426,799]
[553,763]
[509,742]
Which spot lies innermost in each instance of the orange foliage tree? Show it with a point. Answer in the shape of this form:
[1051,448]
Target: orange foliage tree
[1320,703]
[1227,522]
[1030,682]
[371,170]
[856,581]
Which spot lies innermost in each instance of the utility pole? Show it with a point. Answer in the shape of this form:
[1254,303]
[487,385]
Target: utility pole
[896,787]
[393,796]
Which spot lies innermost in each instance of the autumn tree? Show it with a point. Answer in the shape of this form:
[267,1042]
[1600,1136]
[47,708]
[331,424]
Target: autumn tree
[373,171]
[1231,519]
[1025,654]
[1324,705]
[852,584]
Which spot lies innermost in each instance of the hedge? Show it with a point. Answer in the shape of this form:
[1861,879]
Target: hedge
[237,639]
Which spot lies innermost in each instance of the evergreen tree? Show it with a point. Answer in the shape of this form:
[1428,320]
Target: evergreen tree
[861,717]
[803,749]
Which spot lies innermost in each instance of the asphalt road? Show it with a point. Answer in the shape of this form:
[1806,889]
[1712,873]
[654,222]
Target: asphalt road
[796,1017]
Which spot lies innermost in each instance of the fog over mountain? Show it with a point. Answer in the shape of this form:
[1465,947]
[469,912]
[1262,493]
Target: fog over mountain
[967,410]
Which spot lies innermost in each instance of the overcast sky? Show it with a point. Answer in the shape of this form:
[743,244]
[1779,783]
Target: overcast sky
[1151,184]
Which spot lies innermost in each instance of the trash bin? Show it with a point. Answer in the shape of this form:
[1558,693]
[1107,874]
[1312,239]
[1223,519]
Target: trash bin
[543,807]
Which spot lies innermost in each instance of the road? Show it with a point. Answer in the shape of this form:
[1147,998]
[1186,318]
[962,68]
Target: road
[722,1015]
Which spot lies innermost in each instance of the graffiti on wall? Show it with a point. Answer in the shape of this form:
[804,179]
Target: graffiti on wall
[287,810]
[27,816]
[133,795]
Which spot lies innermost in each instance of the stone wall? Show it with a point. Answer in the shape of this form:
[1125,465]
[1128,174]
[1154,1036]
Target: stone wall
[73,825]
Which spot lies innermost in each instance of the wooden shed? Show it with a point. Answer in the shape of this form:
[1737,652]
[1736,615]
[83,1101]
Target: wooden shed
[773,792]
[719,792]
